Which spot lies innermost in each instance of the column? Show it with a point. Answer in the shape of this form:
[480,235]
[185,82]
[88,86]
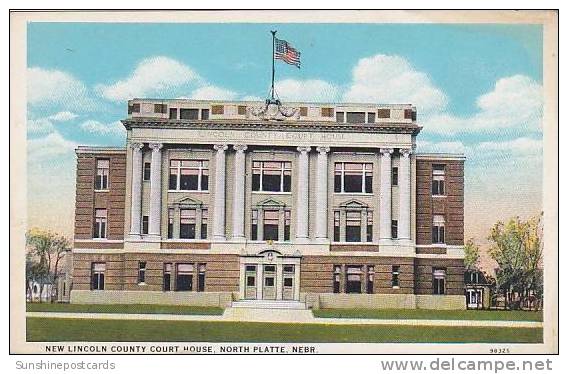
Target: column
[404,198]
[279,281]
[154,227]
[303,198]
[321,194]
[136,192]
[281,222]
[259,281]
[198,220]
[260,224]
[385,205]
[219,213]
[239,193]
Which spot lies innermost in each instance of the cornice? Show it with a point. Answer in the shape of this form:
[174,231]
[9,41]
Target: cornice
[404,128]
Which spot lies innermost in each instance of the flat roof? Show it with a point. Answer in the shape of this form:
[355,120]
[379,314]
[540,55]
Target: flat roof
[263,101]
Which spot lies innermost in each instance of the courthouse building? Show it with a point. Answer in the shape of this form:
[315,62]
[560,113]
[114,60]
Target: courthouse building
[312,205]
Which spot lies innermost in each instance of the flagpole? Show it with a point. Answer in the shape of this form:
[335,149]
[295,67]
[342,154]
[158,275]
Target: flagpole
[273,46]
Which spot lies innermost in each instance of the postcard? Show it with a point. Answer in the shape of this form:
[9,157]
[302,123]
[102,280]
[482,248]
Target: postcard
[275,182]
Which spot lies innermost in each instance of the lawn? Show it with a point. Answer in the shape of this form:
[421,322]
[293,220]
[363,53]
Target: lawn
[122,308]
[486,315]
[68,329]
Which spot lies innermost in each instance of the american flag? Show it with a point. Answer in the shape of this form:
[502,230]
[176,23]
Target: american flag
[285,52]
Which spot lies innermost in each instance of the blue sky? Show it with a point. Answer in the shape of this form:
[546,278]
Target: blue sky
[478,89]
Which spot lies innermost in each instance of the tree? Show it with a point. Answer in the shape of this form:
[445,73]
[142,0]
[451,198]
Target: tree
[517,249]
[45,252]
[471,259]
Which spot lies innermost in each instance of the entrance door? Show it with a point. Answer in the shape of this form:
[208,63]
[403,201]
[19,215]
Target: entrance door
[288,282]
[250,282]
[269,282]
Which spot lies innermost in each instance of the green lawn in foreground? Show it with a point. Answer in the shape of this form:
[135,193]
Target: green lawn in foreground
[122,308]
[55,329]
[493,315]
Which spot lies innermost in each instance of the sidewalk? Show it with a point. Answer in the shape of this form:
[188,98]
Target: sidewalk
[285,316]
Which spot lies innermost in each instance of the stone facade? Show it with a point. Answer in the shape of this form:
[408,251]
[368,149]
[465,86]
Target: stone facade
[211,202]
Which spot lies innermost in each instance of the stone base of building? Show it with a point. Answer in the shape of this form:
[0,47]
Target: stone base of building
[384,301]
[212,299]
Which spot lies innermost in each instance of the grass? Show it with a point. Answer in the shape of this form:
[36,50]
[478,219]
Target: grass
[69,329]
[122,308]
[485,315]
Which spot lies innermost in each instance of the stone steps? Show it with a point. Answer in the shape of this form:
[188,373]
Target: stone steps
[269,304]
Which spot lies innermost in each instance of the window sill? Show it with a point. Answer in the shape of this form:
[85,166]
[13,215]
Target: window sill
[271,193]
[189,191]
[107,190]
[187,240]
[100,239]
[354,193]
[439,196]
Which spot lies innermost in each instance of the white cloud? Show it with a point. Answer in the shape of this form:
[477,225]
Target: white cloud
[306,90]
[515,102]
[252,98]
[49,147]
[55,87]
[424,146]
[96,127]
[40,126]
[393,80]
[158,76]
[63,116]
[519,146]
[213,93]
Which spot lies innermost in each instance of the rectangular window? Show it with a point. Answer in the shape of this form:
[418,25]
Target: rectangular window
[134,108]
[369,227]
[101,179]
[145,224]
[439,281]
[272,176]
[394,229]
[355,117]
[370,117]
[142,272]
[287,224]
[160,108]
[354,279]
[383,113]
[147,169]
[100,229]
[167,281]
[173,113]
[395,272]
[98,276]
[438,228]
[189,175]
[408,114]
[189,114]
[370,279]
[336,223]
[340,117]
[351,177]
[353,226]
[242,110]
[184,277]
[217,109]
[187,223]
[303,111]
[201,278]
[204,222]
[438,176]
[254,225]
[204,114]
[394,176]
[270,227]
[170,223]
[327,112]
[336,278]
